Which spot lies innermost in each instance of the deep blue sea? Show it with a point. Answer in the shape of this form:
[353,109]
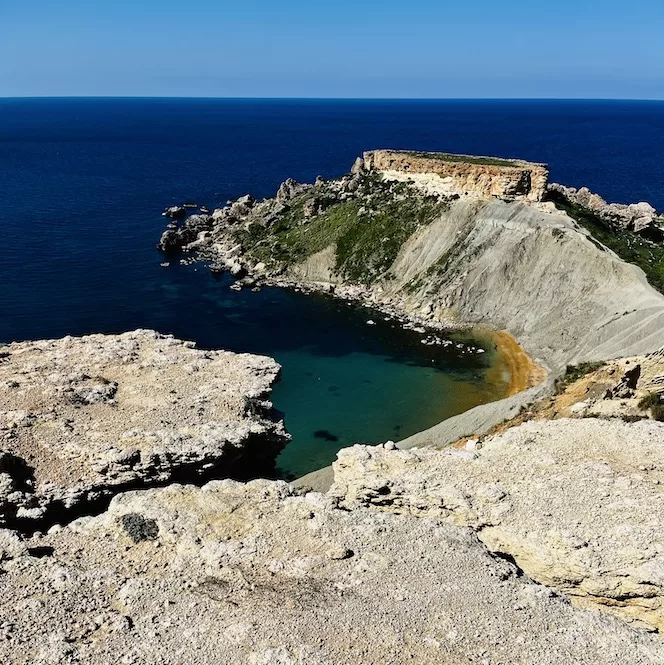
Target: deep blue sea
[83,183]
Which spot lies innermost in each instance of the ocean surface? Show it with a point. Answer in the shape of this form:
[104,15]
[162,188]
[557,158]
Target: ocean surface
[83,183]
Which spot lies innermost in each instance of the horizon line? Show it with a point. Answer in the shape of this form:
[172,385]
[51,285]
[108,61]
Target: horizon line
[347,99]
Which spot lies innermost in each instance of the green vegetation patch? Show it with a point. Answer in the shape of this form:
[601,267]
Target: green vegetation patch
[575,372]
[463,159]
[653,402]
[370,244]
[368,230]
[629,246]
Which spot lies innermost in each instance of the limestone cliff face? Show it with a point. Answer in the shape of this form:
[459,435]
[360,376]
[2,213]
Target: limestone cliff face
[486,176]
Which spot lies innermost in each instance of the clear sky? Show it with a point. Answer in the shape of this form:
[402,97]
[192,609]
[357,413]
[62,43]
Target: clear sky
[344,48]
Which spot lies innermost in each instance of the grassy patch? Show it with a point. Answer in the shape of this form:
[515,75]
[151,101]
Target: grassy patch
[368,231]
[369,245]
[650,400]
[653,402]
[575,372]
[463,159]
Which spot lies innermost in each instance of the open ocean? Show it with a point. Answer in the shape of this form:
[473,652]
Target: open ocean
[83,183]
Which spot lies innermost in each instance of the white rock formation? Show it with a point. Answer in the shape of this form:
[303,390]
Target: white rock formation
[83,418]
[234,573]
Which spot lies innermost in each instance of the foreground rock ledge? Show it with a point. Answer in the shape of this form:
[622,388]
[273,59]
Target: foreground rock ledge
[235,573]
[577,504]
[84,418]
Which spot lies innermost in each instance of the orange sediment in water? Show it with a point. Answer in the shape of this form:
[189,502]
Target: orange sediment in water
[513,361]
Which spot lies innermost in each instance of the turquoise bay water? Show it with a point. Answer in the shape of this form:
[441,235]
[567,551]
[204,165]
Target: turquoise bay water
[366,399]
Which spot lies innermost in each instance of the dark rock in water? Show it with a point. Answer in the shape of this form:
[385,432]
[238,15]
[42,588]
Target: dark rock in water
[139,528]
[175,212]
[169,241]
[238,270]
[325,435]
[173,239]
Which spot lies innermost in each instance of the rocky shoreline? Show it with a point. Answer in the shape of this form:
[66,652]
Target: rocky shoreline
[300,238]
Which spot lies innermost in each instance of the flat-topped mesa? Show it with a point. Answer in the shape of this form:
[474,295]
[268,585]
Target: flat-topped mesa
[486,176]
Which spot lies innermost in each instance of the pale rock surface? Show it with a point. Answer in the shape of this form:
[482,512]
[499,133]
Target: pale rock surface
[83,418]
[635,216]
[577,504]
[234,573]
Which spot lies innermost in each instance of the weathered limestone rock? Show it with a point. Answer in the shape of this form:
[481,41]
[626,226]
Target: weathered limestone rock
[234,573]
[485,176]
[178,237]
[638,217]
[577,504]
[83,418]
[289,189]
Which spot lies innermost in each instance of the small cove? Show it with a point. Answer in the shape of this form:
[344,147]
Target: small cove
[344,380]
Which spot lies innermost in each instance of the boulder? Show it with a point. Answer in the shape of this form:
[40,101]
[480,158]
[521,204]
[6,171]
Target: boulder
[175,212]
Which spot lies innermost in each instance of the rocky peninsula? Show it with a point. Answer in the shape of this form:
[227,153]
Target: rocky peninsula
[524,531]
[453,241]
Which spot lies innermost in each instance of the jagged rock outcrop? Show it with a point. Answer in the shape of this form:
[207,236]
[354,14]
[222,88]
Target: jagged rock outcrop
[638,217]
[577,504]
[83,418]
[234,573]
[484,176]
[176,237]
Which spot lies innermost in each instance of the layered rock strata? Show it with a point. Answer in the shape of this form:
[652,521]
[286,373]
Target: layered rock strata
[83,418]
[484,176]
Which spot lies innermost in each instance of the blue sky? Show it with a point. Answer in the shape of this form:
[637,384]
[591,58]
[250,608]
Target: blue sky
[292,48]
